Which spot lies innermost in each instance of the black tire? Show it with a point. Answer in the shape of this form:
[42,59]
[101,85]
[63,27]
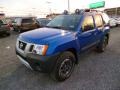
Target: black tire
[8,34]
[19,30]
[64,66]
[102,47]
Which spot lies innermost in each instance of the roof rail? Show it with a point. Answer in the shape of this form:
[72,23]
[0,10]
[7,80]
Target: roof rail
[85,10]
[91,10]
[81,11]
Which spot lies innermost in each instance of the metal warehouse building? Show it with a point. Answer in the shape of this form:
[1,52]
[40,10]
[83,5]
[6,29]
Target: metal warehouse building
[113,11]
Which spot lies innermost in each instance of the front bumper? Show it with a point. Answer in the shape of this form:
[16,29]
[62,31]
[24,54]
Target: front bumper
[33,61]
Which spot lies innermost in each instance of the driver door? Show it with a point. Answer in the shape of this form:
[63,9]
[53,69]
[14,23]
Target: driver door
[87,36]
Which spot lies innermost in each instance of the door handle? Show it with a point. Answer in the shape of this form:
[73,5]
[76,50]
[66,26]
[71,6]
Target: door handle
[86,35]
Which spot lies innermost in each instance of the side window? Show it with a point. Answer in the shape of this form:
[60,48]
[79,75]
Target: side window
[27,21]
[88,24]
[98,21]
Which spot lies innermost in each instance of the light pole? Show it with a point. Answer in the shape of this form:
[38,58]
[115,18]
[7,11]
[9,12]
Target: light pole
[116,12]
[33,11]
[49,6]
[1,9]
[68,5]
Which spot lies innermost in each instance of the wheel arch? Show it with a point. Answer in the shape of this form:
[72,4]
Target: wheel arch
[73,50]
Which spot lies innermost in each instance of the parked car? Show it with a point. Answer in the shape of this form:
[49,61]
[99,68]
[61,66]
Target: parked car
[22,24]
[113,22]
[4,27]
[43,21]
[9,22]
[118,21]
[55,48]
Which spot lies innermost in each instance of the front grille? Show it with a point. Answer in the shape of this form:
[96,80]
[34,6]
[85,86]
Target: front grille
[22,45]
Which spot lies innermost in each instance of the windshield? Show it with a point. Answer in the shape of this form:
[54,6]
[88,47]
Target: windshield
[18,20]
[43,22]
[67,22]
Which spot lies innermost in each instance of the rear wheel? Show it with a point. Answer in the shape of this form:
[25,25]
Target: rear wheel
[8,34]
[19,30]
[64,66]
[102,47]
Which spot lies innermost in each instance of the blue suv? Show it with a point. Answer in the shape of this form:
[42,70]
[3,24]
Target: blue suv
[54,49]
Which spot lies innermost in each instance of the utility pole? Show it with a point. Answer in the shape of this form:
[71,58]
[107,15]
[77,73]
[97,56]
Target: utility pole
[1,9]
[69,6]
[33,11]
[116,12]
[50,11]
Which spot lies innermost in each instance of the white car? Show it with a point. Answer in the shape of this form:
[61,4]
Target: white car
[113,22]
[118,21]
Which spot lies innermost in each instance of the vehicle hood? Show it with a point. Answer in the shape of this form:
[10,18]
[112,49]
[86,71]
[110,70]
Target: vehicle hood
[44,35]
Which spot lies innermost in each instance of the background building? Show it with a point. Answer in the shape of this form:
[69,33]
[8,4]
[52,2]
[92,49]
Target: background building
[113,11]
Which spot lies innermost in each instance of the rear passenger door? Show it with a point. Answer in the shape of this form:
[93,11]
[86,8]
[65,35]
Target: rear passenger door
[99,26]
[87,36]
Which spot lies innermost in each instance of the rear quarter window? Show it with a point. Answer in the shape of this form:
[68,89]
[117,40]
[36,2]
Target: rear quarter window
[106,18]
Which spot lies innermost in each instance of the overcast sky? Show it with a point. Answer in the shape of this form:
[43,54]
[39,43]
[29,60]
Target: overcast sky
[21,7]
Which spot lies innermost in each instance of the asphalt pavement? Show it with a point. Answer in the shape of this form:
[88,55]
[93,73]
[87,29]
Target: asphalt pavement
[95,71]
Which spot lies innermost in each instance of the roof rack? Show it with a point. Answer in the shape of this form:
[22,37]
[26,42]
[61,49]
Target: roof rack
[91,10]
[81,11]
[65,12]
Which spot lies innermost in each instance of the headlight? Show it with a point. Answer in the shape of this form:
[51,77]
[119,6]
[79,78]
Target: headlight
[40,49]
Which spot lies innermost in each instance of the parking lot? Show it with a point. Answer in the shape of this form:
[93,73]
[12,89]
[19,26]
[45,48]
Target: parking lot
[94,72]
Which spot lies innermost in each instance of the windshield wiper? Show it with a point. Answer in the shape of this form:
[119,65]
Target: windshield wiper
[48,26]
[58,27]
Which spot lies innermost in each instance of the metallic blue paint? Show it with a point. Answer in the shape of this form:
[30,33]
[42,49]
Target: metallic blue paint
[60,40]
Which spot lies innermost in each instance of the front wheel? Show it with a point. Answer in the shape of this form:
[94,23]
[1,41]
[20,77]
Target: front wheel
[64,66]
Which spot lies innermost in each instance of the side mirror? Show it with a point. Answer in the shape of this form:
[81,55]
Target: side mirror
[79,31]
